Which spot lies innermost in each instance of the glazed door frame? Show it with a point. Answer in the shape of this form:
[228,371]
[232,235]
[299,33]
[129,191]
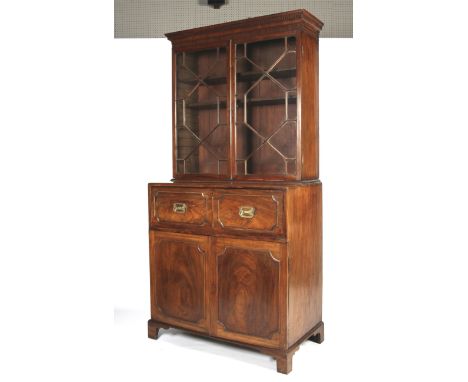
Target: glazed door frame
[257,39]
[230,46]
[186,292]
[193,49]
[271,263]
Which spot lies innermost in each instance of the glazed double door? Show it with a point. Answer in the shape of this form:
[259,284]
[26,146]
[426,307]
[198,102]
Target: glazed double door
[235,110]
[226,287]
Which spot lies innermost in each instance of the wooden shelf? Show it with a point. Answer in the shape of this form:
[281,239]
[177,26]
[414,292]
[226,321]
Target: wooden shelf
[206,105]
[251,101]
[245,77]
[267,101]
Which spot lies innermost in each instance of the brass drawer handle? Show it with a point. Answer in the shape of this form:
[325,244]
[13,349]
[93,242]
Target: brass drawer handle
[246,212]
[179,208]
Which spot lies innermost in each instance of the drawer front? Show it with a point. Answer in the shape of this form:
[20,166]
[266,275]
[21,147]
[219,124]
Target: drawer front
[249,211]
[180,208]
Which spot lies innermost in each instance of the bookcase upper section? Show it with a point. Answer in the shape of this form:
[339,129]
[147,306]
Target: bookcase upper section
[245,99]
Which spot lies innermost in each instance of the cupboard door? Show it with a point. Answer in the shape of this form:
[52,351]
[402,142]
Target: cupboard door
[178,265]
[202,135]
[250,291]
[266,112]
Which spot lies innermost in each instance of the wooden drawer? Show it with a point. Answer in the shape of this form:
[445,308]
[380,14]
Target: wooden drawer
[171,207]
[249,211]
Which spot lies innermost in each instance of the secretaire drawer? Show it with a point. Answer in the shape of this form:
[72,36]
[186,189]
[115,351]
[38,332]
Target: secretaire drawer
[249,211]
[178,208]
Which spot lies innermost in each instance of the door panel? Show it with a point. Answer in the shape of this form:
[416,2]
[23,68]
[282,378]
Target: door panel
[251,290]
[178,279]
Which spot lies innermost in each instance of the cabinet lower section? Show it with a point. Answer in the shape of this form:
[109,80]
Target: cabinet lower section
[263,293]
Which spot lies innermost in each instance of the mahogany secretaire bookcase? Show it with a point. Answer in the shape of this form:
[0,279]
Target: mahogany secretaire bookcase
[236,238]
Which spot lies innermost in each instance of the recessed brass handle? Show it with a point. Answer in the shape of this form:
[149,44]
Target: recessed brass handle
[179,208]
[247,212]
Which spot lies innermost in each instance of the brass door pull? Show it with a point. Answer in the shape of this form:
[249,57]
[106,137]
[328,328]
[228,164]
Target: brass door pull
[246,212]
[179,208]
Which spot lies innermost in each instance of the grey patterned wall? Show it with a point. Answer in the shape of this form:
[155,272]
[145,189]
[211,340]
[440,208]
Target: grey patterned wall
[153,18]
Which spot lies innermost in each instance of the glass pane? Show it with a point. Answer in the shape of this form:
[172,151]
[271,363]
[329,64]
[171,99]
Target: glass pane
[266,109]
[202,133]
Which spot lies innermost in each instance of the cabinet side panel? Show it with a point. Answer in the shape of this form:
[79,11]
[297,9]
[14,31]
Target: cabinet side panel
[309,90]
[304,206]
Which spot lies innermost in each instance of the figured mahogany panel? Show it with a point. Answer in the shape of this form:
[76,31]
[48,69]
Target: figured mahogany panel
[178,278]
[245,211]
[249,283]
[172,207]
